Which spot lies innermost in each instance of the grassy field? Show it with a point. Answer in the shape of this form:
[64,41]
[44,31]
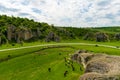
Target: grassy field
[7,46]
[35,66]
[33,63]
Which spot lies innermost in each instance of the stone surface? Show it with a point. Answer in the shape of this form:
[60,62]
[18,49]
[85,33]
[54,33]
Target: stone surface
[98,66]
[101,37]
[117,36]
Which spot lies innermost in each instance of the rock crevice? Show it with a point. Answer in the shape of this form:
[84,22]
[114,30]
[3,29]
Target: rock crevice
[98,66]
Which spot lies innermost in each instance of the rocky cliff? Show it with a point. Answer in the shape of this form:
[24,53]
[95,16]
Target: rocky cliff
[98,66]
[17,34]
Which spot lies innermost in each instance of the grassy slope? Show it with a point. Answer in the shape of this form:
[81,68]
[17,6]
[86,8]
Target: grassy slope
[34,65]
[108,29]
[112,43]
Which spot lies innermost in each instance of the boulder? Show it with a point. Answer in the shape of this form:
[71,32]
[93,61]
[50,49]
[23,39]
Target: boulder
[11,32]
[98,66]
[101,37]
[52,37]
[89,36]
[117,36]
[27,34]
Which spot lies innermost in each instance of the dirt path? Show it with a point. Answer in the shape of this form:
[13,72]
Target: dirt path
[58,45]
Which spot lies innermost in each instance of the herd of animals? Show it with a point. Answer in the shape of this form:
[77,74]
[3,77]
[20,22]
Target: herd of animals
[96,66]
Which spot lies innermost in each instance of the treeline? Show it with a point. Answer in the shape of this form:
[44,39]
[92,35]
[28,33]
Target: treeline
[19,30]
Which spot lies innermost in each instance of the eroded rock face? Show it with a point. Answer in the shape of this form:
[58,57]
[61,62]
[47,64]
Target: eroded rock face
[27,34]
[19,34]
[89,36]
[11,32]
[97,76]
[52,37]
[117,36]
[101,37]
[98,66]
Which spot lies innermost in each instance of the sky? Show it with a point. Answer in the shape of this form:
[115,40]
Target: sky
[76,13]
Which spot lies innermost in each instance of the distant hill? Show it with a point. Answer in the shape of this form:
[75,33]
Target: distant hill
[18,30]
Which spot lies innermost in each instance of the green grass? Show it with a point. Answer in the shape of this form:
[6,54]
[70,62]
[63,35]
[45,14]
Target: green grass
[94,49]
[33,63]
[112,43]
[35,66]
[7,46]
[17,53]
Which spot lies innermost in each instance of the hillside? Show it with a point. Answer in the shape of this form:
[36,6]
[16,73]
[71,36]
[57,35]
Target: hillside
[19,30]
[34,62]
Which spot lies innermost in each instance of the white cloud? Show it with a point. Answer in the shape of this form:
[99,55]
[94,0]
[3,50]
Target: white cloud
[67,12]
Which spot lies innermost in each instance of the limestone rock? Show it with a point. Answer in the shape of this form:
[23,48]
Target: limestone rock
[52,37]
[101,37]
[89,36]
[98,66]
[117,36]
[11,32]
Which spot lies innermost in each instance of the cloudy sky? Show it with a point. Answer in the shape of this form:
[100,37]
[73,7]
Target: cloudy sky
[78,13]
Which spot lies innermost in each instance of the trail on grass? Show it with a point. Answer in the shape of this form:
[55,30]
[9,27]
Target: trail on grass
[58,44]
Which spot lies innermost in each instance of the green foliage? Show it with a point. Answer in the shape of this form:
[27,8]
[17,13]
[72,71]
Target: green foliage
[40,30]
[23,24]
[3,39]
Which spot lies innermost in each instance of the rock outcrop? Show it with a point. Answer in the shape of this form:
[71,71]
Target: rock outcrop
[0,38]
[52,37]
[98,66]
[89,36]
[18,34]
[11,32]
[117,36]
[101,37]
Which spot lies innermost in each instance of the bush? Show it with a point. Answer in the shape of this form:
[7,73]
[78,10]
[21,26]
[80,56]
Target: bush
[13,44]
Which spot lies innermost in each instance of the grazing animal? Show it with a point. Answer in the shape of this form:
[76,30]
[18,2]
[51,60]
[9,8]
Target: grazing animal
[59,53]
[65,59]
[9,56]
[73,68]
[80,68]
[65,73]
[49,69]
